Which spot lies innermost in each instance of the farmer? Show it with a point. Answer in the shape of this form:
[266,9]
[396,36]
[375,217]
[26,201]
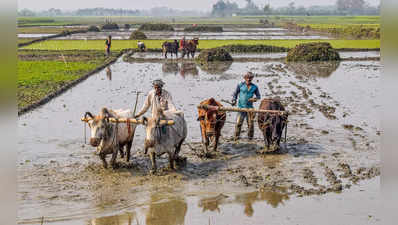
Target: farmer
[158,99]
[141,46]
[182,43]
[246,91]
[108,45]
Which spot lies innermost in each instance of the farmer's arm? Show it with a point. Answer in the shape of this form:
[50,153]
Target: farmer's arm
[257,93]
[146,106]
[235,94]
[170,103]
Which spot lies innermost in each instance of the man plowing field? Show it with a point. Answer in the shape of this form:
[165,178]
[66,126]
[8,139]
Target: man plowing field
[246,90]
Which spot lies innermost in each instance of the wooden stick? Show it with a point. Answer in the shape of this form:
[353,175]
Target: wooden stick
[235,109]
[131,120]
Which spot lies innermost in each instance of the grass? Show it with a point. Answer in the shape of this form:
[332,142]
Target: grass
[96,20]
[44,30]
[203,44]
[327,19]
[90,20]
[24,40]
[37,77]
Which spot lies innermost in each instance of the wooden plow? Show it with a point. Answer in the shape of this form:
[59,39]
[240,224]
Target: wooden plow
[236,109]
[130,120]
[248,110]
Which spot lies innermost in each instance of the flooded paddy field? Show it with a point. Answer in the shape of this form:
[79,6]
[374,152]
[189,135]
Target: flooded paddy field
[227,34]
[329,166]
[267,56]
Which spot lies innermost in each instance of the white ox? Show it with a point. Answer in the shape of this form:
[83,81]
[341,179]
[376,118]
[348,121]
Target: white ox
[108,137]
[162,138]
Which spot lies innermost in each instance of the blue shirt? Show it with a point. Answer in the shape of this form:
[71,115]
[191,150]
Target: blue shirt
[245,94]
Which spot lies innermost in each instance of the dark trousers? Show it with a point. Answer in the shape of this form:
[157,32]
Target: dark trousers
[250,124]
[108,51]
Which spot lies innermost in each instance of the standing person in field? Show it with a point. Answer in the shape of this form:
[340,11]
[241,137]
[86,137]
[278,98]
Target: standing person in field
[246,90]
[182,43]
[108,43]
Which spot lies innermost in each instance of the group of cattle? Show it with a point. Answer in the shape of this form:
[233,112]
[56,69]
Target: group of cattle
[166,133]
[189,48]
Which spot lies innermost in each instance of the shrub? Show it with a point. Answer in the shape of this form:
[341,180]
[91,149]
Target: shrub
[214,54]
[203,29]
[316,51]
[137,35]
[156,27]
[110,26]
[93,29]
[127,26]
[253,48]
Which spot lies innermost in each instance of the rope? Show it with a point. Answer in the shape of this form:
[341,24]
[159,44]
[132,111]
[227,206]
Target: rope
[85,136]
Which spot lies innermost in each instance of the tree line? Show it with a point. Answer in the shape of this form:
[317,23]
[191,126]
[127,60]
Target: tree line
[341,7]
[223,8]
[156,11]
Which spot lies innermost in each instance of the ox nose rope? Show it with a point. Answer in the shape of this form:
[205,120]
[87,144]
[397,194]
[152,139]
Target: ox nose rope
[84,131]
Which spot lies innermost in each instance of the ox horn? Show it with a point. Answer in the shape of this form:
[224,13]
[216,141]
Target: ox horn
[166,122]
[88,114]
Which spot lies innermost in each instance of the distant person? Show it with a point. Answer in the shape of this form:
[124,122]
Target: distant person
[182,43]
[141,46]
[108,43]
[108,73]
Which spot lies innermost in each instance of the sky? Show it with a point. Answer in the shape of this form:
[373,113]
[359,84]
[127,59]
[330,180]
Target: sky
[199,5]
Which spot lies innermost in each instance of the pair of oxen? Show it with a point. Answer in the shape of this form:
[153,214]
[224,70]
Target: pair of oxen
[270,123]
[113,130]
[188,49]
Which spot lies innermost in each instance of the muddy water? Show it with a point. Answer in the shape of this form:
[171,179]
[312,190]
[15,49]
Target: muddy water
[343,55]
[332,122]
[33,35]
[227,34]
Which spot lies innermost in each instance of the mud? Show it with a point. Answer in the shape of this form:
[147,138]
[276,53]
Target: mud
[60,177]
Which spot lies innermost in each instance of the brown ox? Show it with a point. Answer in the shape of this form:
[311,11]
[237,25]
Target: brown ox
[272,124]
[211,123]
[190,48]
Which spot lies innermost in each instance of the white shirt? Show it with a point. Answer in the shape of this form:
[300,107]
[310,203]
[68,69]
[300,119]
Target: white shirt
[164,102]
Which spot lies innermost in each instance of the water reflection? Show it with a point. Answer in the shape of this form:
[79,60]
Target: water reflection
[271,198]
[108,73]
[166,212]
[318,69]
[212,203]
[188,68]
[170,67]
[185,68]
[215,67]
[122,219]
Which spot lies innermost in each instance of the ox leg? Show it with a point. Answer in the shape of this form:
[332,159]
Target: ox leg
[152,155]
[216,138]
[114,155]
[121,151]
[206,145]
[177,159]
[103,158]
[128,150]
[171,160]
[266,143]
